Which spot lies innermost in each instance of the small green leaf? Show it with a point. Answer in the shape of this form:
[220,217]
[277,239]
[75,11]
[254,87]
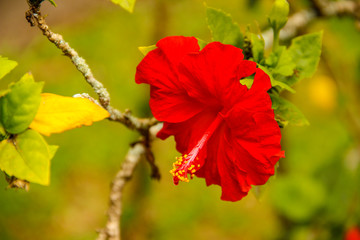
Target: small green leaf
[305,53]
[201,43]
[18,107]
[53,3]
[6,66]
[52,150]
[281,62]
[257,47]
[287,112]
[248,82]
[2,132]
[146,49]
[27,156]
[274,82]
[128,5]
[222,27]
[272,60]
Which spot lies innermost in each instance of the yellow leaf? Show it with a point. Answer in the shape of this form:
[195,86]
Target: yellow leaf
[57,114]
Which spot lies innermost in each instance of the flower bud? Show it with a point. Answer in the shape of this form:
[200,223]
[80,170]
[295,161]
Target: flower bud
[279,13]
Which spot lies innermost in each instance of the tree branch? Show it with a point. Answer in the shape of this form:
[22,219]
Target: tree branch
[147,127]
[142,125]
[301,19]
[137,151]
[112,228]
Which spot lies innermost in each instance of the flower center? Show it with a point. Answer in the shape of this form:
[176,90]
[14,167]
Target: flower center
[190,163]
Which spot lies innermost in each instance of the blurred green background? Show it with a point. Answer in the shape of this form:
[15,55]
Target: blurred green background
[315,194]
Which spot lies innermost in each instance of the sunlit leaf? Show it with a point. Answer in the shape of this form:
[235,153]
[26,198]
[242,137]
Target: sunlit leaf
[305,53]
[257,47]
[281,62]
[146,49]
[27,156]
[275,82]
[6,66]
[248,82]
[57,114]
[19,106]
[201,43]
[128,5]
[287,111]
[53,3]
[2,132]
[222,27]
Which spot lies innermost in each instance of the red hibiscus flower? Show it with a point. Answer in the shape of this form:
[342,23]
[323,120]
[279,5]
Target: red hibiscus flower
[353,234]
[225,131]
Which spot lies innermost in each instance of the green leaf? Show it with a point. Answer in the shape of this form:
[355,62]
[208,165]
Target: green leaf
[128,5]
[248,82]
[305,53]
[281,62]
[275,83]
[201,43]
[146,49]
[2,132]
[53,3]
[6,66]
[222,27]
[287,112]
[27,156]
[18,107]
[257,47]
[52,150]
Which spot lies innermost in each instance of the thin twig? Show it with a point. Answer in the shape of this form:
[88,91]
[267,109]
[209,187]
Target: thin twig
[112,228]
[303,18]
[137,151]
[34,17]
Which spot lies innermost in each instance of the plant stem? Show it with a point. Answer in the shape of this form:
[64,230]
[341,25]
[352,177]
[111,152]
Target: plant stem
[276,39]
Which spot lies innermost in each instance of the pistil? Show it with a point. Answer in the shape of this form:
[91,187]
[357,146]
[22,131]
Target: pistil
[190,163]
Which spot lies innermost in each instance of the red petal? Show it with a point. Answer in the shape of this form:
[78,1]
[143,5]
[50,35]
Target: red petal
[173,107]
[256,99]
[189,132]
[261,81]
[246,68]
[211,74]
[168,99]
[257,140]
[176,47]
[210,169]
[233,179]
[160,66]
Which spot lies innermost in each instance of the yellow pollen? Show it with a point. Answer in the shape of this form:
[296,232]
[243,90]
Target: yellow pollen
[184,168]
